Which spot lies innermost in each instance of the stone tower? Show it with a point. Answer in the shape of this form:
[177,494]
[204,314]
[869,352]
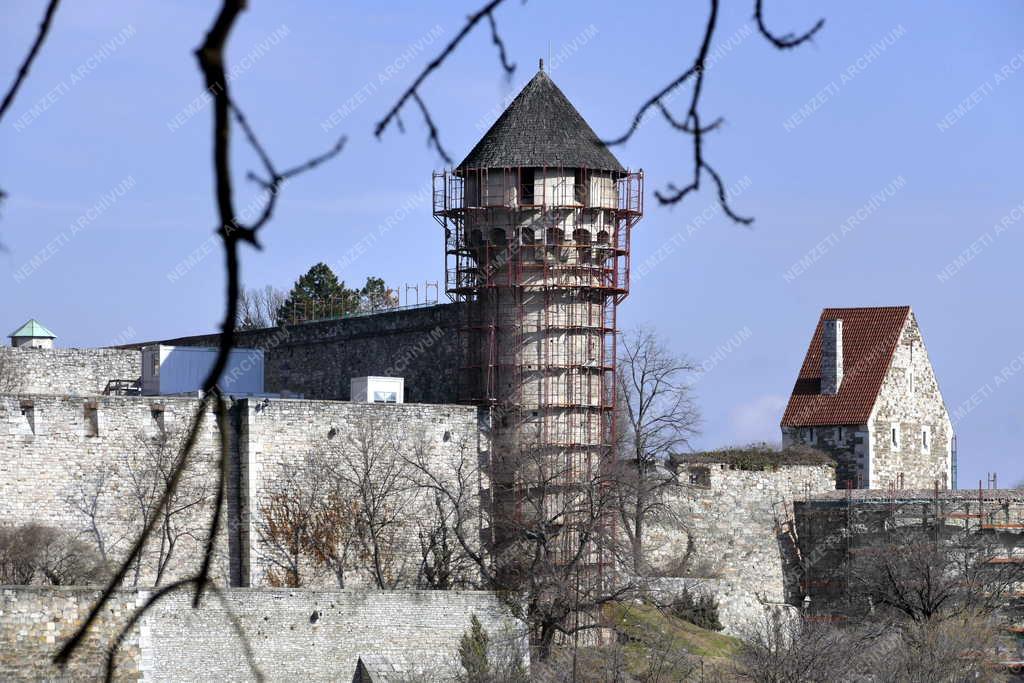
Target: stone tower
[537,222]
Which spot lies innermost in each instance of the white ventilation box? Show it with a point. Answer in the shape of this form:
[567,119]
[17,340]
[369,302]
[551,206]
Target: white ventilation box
[170,370]
[378,389]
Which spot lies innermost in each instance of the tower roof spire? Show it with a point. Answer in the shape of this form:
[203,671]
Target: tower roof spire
[541,128]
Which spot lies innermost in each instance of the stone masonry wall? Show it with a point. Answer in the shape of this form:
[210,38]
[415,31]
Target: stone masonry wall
[848,444]
[55,456]
[294,635]
[35,622]
[280,433]
[737,525]
[911,401]
[82,372]
[53,461]
[317,359]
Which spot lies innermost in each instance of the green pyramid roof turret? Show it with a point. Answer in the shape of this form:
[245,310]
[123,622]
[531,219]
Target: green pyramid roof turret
[33,328]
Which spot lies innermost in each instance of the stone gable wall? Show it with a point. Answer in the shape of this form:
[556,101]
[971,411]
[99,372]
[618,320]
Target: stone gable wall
[910,398]
[82,372]
[294,635]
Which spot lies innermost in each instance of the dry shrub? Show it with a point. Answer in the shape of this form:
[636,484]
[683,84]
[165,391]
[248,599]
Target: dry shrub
[41,555]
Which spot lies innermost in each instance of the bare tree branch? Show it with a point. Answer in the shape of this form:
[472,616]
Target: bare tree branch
[44,29]
[509,67]
[412,92]
[210,56]
[786,41]
[691,124]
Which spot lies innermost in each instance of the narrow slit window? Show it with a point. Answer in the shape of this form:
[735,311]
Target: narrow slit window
[526,183]
[28,419]
[156,415]
[91,419]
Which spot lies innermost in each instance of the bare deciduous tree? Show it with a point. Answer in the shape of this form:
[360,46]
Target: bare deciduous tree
[286,521]
[657,416]
[258,308]
[550,542]
[367,465]
[787,650]
[353,507]
[948,651]
[148,470]
[923,574]
[91,498]
[306,523]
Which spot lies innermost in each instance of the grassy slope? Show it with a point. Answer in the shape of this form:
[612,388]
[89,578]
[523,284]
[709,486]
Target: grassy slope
[651,634]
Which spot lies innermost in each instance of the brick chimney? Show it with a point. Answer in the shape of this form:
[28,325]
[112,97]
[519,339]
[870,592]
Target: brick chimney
[831,356]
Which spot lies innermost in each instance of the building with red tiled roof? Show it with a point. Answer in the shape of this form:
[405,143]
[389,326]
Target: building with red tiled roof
[867,394]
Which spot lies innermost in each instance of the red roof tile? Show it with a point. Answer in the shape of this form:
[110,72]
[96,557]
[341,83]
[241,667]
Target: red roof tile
[870,336]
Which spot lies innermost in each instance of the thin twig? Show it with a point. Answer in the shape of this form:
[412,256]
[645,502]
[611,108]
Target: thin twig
[691,124]
[44,29]
[432,134]
[412,92]
[509,67]
[787,41]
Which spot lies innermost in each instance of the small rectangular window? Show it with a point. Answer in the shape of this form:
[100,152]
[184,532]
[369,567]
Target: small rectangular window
[28,419]
[840,435]
[895,437]
[700,476]
[526,186]
[581,186]
[156,414]
[385,397]
[925,439]
[91,419]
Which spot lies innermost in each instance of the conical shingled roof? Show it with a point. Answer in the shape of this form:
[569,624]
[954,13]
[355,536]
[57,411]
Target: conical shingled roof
[541,128]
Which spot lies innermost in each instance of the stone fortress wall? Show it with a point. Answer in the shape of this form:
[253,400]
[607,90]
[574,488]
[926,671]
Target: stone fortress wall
[61,454]
[726,528]
[317,359]
[80,372]
[277,434]
[57,452]
[308,635]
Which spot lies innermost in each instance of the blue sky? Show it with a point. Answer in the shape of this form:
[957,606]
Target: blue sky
[903,116]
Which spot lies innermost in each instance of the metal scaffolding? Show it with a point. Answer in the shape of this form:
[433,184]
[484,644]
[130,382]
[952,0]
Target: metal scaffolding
[540,258]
